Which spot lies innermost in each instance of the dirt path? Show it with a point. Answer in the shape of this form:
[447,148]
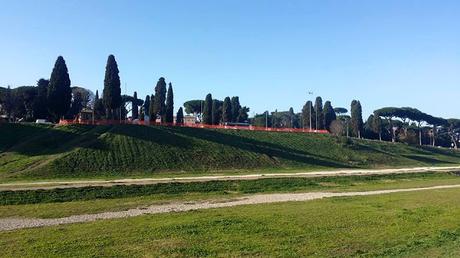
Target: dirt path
[18,223]
[145,181]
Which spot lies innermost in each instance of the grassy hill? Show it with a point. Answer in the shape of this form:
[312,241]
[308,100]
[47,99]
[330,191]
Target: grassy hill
[32,151]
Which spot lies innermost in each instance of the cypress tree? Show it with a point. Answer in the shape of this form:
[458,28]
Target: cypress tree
[151,111]
[112,91]
[180,116]
[59,95]
[99,109]
[169,118]
[215,112]
[135,108]
[308,115]
[227,110]
[159,107]
[356,118]
[141,113]
[40,105]
[235,108]
[147,106]
[319,125]
[207,110]
[329,115]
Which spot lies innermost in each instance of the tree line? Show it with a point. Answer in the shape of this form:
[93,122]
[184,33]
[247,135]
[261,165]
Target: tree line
[55,99]
[214,111]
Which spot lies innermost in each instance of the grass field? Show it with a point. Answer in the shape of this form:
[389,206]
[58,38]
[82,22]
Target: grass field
[404,224]
[65,202]
[79,151]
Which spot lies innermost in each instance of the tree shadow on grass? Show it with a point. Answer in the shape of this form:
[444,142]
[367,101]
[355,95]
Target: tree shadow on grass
[417,154]
[155,134]
[271,150]
[56,140]
[426,159]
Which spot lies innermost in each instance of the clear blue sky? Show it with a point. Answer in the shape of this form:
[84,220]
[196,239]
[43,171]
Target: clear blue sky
[270,53]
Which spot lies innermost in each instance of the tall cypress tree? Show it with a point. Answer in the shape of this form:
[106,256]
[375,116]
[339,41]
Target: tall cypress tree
[169,118]
[40,105]
[227,110]
[356,118]
[147,105]
[308,115]
[151,111]
[216,112]
[159,100]
[235,108]
[135,108]
[329,115]
[319,113]
[207,110]
[180,116]
[99,109]
[112,90]
[59,95]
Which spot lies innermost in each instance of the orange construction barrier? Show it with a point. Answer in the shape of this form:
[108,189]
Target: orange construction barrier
[229,127]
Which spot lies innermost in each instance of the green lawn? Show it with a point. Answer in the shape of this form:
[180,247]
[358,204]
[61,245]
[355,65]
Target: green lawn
[29,152]
[413,224]
[66,202]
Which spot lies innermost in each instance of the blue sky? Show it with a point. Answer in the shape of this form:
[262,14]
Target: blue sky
[270,53]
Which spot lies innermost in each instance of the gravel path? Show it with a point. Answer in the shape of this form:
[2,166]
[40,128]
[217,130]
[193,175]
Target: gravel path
[18,223]
[145,181]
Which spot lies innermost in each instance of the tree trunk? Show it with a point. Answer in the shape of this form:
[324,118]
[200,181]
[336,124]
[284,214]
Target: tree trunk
[434,135]
[420,137]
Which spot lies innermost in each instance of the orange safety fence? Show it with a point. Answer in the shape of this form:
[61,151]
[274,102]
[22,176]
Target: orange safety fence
[234,127]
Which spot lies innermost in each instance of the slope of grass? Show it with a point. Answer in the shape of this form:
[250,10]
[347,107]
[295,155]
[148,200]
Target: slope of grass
[412,224]
[130,150]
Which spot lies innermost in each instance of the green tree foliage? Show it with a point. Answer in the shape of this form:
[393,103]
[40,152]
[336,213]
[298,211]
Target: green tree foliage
[135,107]
[216,111]
[59,93]
[376,125]
[319,125]
[207,110]
[243,115]
[308,117]
[7,101]
[262,120]
[40,104]
[235,101]
[227,110]
[356,118]
[151,111]
[328,114]
[147,105]
[112,91]
[159,106]
[193,106]
[169,116]
[340,111]
[76,106]
[99,109]
[180,116]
